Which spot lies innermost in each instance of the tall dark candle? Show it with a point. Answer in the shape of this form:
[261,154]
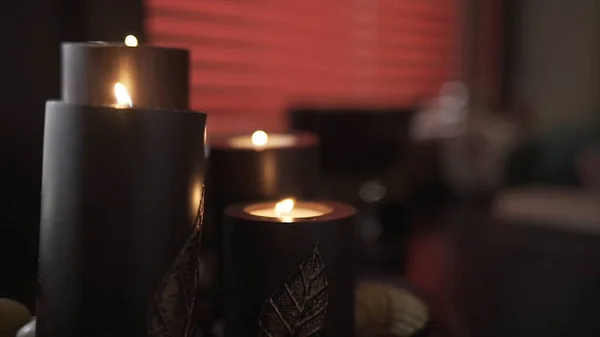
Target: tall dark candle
[121,202]
[156,77]
[287,165]
[291,275]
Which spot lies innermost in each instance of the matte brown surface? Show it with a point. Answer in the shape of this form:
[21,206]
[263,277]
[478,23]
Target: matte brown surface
[121,189]
[260,255]
[155,77]
[239,175]
[249,174]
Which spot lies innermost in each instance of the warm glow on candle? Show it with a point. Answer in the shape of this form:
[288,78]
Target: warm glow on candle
[122,95]
[260,138]
[197,194]
[284,206]
[287,210]
[131,41]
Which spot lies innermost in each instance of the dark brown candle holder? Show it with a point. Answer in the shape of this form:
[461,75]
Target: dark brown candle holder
[239,174]
[122,191]
[293,278]
[250,174]
[156,77]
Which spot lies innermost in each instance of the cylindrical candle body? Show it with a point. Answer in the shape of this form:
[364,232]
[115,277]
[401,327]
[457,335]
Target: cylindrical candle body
[251,174]
[268,262]
[239,174]
[155,77]
[121,203]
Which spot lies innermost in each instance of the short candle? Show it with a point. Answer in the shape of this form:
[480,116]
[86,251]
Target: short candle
[261,140]
[287,210]
[89,70]
[261,168]
[292,258]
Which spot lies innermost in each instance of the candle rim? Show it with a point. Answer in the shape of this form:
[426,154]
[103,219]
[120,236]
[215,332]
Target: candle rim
[116,45]
[285,140]
[338,211]
[303,140]
[129,110]
[316,206]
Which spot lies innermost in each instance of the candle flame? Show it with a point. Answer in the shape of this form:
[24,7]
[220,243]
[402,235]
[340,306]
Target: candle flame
[284,206]
[260,138]
[122,95]
[131,41]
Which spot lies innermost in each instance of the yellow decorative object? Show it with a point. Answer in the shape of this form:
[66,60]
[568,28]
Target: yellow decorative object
[13,315]
[385,310]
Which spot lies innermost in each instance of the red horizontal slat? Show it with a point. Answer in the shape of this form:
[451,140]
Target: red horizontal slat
[252,59]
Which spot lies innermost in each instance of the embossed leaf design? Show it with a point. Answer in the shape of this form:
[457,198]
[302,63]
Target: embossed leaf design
[298,307]
[171,314]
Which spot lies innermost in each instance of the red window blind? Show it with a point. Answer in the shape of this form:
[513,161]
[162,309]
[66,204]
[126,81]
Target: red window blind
[252,59]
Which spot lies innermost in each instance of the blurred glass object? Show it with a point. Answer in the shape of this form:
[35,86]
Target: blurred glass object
[475,159]
[475,144]
[443,116]
[454,95]
[372,191]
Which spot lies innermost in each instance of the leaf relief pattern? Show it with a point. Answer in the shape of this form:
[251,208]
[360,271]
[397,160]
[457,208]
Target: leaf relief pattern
[171,313]
[298,307]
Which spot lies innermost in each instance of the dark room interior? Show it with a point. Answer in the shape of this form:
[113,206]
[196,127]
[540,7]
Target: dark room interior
[447,152]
